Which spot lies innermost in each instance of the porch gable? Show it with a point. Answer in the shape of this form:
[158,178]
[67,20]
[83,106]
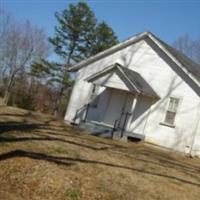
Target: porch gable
[119,77]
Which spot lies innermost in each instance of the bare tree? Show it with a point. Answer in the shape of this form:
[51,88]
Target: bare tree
[21,44]
[5,25]
[197,49]
[188,46]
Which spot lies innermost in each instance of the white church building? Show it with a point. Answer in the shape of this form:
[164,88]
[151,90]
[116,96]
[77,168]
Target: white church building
[140,88]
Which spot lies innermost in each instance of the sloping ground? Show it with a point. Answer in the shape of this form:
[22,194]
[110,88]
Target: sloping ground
[42,158]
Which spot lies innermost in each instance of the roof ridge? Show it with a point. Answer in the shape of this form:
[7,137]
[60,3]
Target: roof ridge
[191,68]
[110,50]
[178,51]
[187,65]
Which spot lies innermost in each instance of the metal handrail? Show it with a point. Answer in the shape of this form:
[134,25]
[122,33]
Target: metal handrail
[125,122]
[86,112]
[76,115]
[115,126]
[117,123]
[78,110]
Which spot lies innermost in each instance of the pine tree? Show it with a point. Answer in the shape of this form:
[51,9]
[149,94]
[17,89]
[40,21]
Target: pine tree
[104,38]
[76,28]
[77,37]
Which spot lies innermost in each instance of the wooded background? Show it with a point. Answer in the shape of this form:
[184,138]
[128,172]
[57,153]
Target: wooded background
[31,79]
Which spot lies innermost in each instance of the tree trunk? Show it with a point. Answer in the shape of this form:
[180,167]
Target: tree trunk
[8,90]
[6,98]
[58,101]
[61,92]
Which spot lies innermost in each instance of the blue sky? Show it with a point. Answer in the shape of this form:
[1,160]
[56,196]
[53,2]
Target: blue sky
[167,19]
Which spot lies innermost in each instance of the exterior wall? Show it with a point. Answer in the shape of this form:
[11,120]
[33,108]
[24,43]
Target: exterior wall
[195,151]
[112,80]
[164,80]
[97,113]
[140,115]
[114,106]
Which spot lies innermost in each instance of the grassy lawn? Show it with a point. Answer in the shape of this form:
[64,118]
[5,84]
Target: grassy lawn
[42,158]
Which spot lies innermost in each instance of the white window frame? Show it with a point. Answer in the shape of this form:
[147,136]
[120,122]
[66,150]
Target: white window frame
[176,112]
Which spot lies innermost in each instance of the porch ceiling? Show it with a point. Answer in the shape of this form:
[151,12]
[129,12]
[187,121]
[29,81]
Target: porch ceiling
[133,81]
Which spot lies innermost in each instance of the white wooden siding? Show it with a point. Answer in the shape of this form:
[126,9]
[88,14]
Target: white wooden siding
[165,81]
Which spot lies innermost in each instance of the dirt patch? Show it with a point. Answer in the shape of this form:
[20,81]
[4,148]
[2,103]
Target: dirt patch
[42,158]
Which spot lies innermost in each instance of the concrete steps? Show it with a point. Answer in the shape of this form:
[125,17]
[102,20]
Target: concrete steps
[127,135]
[102,130]
[98,130]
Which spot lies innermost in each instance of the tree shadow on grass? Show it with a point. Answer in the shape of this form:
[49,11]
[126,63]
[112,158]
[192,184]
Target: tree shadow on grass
[44,134]
[16,113]
[49,136]
[187,169]
[33,155]
[27,127]
[16,126]
[67,161]
[167,159]
[24,139]
[80,136]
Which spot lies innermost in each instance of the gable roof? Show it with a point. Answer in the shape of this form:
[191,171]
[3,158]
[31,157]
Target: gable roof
[135,80]
[109,51]
[191,68]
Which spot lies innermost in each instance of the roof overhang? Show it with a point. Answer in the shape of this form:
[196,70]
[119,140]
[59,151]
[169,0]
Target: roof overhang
[133,80]
[109,51]
[144,35]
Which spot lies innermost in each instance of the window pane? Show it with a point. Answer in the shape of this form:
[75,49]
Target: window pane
[170,107]
[173,104]
[170,117]
[176,104]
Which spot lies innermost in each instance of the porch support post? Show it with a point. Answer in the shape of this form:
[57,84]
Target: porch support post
[86,112]
[132,110]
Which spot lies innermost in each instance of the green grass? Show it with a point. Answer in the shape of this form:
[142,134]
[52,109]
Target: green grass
[3,145]
[72,195]
[59,150]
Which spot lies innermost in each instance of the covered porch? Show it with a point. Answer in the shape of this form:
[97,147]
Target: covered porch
[122,97]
